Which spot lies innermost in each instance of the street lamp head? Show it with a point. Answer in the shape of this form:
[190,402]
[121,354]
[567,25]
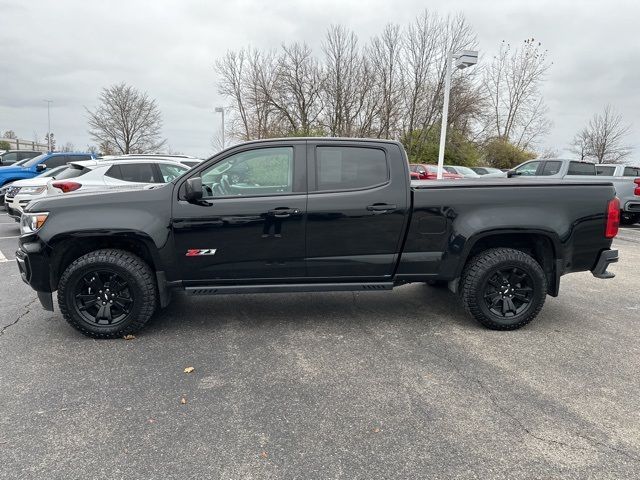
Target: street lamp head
[219,110]
[466,58]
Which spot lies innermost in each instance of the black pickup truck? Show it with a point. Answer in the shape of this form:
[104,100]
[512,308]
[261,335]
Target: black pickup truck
[310,215]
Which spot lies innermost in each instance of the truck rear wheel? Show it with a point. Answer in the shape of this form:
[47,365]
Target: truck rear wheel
[503,288]
[107,293]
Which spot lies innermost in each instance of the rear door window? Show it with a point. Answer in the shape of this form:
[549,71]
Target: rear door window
[605,171]
[581,168]
[551,168]
[350,168]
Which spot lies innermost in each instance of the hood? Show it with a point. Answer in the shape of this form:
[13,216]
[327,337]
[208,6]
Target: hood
[95,200]
[11,169]
[31,182]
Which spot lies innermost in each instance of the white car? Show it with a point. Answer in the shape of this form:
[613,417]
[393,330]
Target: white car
[466,172]
[28,187]
[103,174]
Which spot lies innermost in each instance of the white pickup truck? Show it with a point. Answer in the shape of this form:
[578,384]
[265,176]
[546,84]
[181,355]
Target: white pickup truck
[624,178]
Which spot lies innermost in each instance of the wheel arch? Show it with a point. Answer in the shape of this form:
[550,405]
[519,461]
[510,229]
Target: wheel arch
[544,246]
[68,247]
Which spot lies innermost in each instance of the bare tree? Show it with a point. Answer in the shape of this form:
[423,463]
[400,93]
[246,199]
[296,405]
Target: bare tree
[126,120]
[603,139]
[248,78]
[384,57]
[67,147]
[10,134]
[348,94]
[426,43]
[512,83]
[297,88]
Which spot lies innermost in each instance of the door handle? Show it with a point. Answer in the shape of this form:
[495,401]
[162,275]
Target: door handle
[283,212]
[380,207]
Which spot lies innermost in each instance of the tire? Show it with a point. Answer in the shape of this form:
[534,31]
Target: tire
[107,293]
[495,285]
[629,218]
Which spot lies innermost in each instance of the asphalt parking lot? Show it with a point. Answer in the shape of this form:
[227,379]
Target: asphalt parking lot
[395,384]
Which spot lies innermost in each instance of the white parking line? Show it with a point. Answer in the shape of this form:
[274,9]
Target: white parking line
[2,257]
[5,238]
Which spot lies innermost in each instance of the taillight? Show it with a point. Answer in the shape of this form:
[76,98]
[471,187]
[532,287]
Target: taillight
[636,192]
[66,187]
[613,218]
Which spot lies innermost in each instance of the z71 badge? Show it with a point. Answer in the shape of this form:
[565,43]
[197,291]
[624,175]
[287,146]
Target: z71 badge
[197,252]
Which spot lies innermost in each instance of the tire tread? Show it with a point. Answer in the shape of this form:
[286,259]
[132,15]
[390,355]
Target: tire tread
[124,259]
[471,281]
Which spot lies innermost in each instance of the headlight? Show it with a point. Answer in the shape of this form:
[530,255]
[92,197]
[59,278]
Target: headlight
[33,190]
[32,222]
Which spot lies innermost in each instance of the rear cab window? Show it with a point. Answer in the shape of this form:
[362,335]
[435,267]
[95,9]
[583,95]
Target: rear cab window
[631,172]
[581,168]
[350,168]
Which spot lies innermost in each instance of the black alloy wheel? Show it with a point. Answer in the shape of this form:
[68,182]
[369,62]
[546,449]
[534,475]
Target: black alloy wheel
[107,293]
[508,291]
[503,288]
[103,297]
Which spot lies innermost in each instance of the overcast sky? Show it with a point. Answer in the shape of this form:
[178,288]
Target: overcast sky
[67,51]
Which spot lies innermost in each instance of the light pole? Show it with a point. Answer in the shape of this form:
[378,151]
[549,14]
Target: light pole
[49,102]
[221,110]
[464,59]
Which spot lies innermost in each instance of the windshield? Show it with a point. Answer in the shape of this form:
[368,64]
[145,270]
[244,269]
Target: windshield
[34,161]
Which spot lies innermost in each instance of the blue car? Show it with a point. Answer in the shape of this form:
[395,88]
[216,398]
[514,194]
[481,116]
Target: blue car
[36,165]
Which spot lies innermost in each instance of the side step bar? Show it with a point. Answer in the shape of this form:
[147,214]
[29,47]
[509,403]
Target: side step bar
[288,288]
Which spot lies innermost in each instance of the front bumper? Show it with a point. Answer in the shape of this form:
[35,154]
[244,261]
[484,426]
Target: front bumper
[606,258]
[33,264]
[13,213]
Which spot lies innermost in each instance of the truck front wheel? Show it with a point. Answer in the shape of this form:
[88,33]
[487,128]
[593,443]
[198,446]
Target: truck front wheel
[107,293]
[503,288]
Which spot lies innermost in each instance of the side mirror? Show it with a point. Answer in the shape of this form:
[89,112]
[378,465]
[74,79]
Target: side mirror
[41,167]
[512,173]
[193,189]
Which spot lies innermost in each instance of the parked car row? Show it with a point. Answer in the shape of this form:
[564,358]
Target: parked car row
[61,173]
[624,178]
[453,172]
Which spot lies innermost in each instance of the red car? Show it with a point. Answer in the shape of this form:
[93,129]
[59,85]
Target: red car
[430,172]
